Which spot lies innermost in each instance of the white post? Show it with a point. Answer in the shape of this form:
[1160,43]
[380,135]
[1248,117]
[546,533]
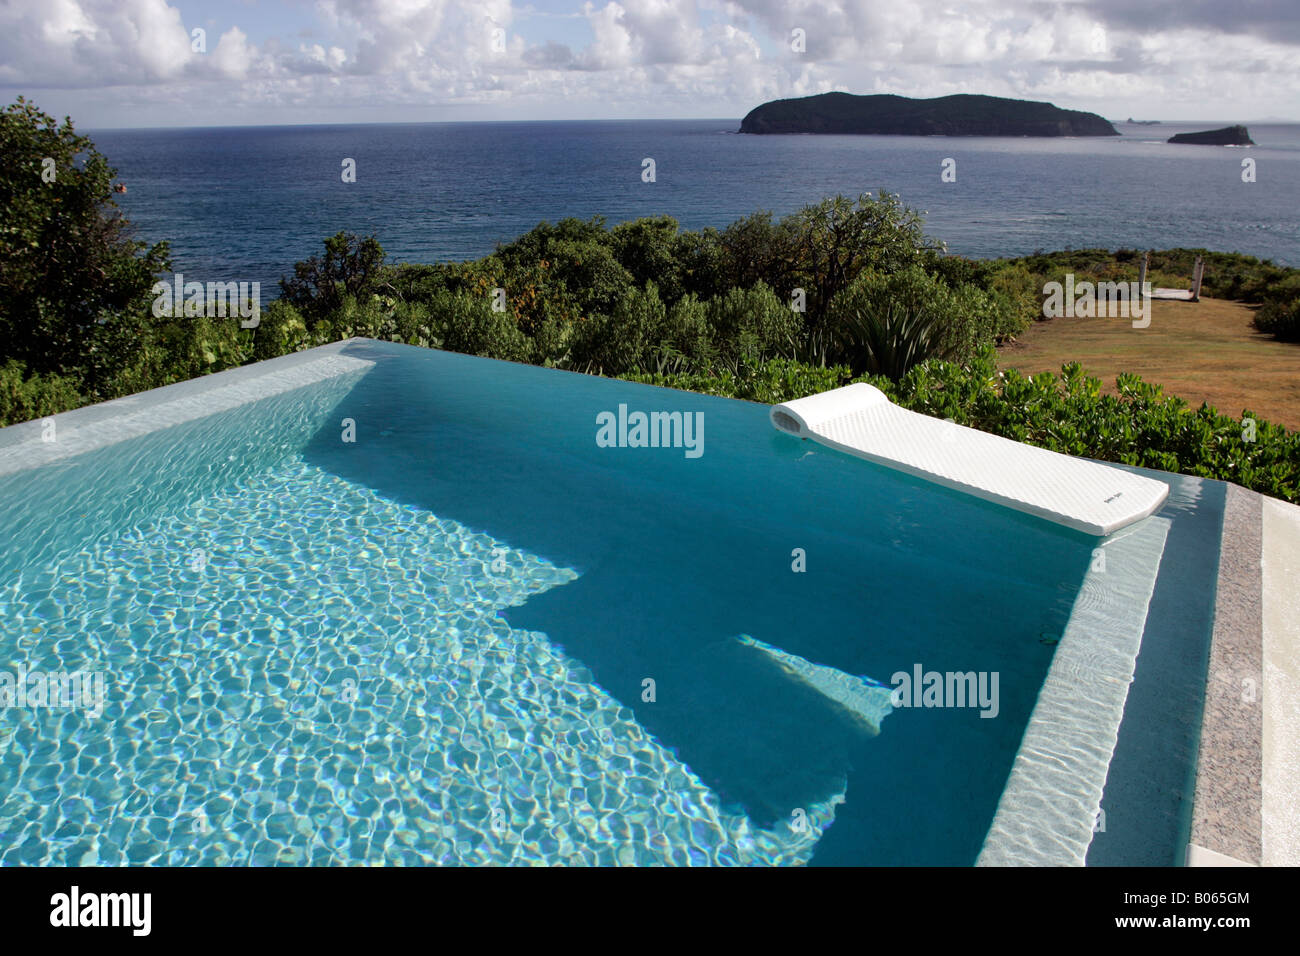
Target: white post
[1197,273]
[1142,272]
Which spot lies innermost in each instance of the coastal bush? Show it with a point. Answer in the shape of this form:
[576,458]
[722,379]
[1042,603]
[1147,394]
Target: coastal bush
[552,343]
[1022,292]
[682,342]
[1139,425]
[590,274]
[74,286]
[616,343]
[352,267]
[837,239]
[647,249]
[412,282]
[414,324]
[1285,289]
[369,317]
[189,347]
[26,397]
[752,250]
[885,323]
[537,244]
[748,326]
[467,323]
[701,262]
[770,382]
[1279,319]
[1227,275]
[281,331]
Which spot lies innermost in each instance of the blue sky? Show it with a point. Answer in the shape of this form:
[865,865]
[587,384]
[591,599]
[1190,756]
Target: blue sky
[133,63]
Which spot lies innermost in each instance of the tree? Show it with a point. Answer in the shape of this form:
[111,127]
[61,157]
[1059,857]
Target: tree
[647,249]
[839,237]
[74,285]
[352,267]
[755,249]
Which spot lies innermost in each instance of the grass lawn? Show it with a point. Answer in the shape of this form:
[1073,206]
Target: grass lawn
[1200,351]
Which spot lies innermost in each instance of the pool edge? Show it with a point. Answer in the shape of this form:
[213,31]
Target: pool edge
[1227,801]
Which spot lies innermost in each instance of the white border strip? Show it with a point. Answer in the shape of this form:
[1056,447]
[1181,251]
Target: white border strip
[1053,795]
[1280,783]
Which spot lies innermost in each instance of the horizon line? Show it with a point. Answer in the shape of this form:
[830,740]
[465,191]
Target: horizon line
[617,119]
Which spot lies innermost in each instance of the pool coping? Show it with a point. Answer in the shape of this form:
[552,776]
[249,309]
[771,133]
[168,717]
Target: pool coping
[1248,767]
[45,440]
[1226,815]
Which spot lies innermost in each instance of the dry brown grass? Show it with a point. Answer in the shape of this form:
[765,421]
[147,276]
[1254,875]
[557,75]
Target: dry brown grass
[1200,351]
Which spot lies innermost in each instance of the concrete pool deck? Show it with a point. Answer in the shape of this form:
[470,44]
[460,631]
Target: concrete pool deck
[1246,810]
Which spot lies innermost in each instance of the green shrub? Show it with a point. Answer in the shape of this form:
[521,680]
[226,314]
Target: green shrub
[1280,319]
[885,323]
[1227,275]
[282,330]
[1140,425]
[413,324]
[837,239]
[748,326]
[590,274]
[369,317]
[755,249]
[1285,289]
[536,244]
[75,287]
[467,323]
[701,262]
[353,267]
[887,337]
[771,382]
[412,282]
[681,342]
[1022,293]
[552,343]
[23,398]
[647,249]
[617,342]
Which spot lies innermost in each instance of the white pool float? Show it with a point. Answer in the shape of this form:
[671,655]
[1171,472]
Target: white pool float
[860,420]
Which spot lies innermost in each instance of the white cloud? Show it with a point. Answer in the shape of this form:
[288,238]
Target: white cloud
[233,56]
[70,43]
[648,57]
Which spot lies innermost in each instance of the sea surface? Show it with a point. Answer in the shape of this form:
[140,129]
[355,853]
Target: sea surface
[245,203]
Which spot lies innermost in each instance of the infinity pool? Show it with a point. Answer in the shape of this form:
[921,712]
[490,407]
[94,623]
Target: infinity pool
[380,604]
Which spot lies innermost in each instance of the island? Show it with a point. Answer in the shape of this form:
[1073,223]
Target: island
[962,114]
[1228,136]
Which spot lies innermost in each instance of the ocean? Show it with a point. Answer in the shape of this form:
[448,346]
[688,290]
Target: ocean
[245,203]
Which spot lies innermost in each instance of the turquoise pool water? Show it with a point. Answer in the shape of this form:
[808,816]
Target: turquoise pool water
[473,635]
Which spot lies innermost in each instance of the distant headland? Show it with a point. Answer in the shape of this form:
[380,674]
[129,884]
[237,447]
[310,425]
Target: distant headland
[886,114]
[1228,136]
